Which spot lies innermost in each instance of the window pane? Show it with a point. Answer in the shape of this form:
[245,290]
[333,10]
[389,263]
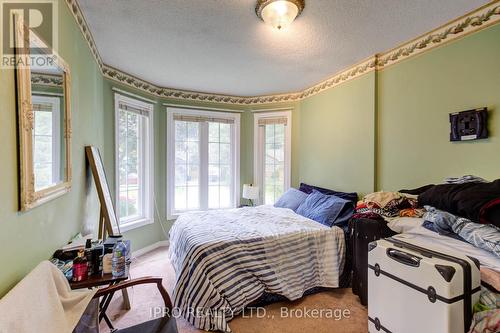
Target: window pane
[269,133]
[193,152]
[225,133]
[213,132]
[180,175]
[269,195]
[225,175]
[180,198]
[43,175]
[279,175]
[193,197]
[43,123]
[193,177]
[181,152]
[181,131]
[213,174]
[279,133]
[193,130]
[213,153]
[225,197]
[43,150]
[213,197]
[225,153]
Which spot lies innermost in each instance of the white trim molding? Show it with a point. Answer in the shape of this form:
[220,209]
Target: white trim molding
[473,21]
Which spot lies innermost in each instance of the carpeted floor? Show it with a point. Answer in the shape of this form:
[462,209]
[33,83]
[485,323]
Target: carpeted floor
[339,310]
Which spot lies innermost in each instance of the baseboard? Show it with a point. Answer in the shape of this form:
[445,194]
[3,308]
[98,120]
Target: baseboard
[149,248]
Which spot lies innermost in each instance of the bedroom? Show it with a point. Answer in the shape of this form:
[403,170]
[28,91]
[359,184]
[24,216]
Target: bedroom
[350,96]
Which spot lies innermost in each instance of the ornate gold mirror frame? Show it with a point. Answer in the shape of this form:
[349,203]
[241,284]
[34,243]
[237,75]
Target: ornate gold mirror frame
[29,197]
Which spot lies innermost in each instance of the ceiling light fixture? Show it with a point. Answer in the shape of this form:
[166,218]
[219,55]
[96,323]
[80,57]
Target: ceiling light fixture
[279,13]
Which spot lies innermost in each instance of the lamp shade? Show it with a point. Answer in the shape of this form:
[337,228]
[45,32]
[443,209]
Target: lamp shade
[250,192]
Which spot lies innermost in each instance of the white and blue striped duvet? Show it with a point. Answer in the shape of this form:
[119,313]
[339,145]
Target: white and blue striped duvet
[226,259]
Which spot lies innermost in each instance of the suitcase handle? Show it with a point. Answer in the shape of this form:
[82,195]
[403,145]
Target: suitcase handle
[403,257]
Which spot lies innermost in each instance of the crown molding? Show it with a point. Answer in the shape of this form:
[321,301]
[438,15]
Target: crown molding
[474,21]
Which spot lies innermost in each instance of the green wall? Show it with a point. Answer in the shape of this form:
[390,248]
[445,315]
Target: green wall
[414,100]
[389,129]
[334,137]
[27,238]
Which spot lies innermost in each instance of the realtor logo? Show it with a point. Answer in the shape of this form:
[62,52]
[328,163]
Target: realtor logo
[39,17]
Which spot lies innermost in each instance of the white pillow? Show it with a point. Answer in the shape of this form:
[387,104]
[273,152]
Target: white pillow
[404,224]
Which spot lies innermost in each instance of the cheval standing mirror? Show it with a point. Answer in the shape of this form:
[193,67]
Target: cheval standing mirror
[44,120]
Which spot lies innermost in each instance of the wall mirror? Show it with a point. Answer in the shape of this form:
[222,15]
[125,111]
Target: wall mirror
[44,120]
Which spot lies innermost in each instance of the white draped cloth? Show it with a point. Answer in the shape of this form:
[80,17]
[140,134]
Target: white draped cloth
[43,302]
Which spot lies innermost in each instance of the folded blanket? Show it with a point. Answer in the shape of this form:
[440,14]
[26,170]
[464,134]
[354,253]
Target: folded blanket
[43,302]
[484,236]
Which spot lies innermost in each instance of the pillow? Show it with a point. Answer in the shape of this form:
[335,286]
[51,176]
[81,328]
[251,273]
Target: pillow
[404,224]
[291,199]
[343,195]
[328,210]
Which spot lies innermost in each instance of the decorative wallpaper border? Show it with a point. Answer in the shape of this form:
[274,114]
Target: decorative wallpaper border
[47,80]
[472,22]
[469,23]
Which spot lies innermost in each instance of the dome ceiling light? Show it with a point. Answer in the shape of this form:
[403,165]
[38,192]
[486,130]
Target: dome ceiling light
[279,13]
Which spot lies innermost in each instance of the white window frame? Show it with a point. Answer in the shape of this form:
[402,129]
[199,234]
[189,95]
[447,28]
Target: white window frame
[170,143]
[56,129]
[258,157]
[148,165]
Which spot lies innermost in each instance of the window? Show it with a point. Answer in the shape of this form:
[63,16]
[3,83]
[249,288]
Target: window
[203,160]
[46,141]
[134,162]
[272,154]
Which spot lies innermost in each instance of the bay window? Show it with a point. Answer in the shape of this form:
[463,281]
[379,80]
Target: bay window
[202,160]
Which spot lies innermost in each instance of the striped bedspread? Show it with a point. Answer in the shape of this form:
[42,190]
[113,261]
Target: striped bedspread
[226,259]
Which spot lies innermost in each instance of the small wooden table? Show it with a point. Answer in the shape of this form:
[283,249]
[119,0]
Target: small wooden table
[103,280]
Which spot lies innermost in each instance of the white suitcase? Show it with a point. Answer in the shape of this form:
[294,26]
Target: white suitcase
[412,289]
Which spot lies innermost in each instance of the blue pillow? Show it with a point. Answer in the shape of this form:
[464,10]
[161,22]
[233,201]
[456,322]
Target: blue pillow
[328,210]
[291,199]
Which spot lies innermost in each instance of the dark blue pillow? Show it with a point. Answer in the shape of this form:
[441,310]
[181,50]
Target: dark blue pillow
[291,199]
[328,210]
[343,195]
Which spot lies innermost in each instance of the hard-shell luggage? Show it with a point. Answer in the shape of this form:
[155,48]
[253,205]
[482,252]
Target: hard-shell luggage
[412,289]
[361,232]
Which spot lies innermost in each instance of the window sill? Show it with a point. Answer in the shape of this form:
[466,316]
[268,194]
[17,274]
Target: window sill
[134,224]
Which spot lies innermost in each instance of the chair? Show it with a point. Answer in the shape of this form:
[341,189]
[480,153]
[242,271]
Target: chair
[164,324]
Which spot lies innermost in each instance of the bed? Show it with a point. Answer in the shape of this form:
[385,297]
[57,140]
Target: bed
[227,259]
[425,237]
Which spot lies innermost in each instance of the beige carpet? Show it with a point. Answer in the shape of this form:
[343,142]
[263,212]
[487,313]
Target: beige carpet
[341,311]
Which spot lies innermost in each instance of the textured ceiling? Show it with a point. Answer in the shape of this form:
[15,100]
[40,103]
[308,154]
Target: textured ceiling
[220,46]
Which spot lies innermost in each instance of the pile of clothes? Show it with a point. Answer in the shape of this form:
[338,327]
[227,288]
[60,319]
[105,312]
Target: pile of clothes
[465,208]
[380,205]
